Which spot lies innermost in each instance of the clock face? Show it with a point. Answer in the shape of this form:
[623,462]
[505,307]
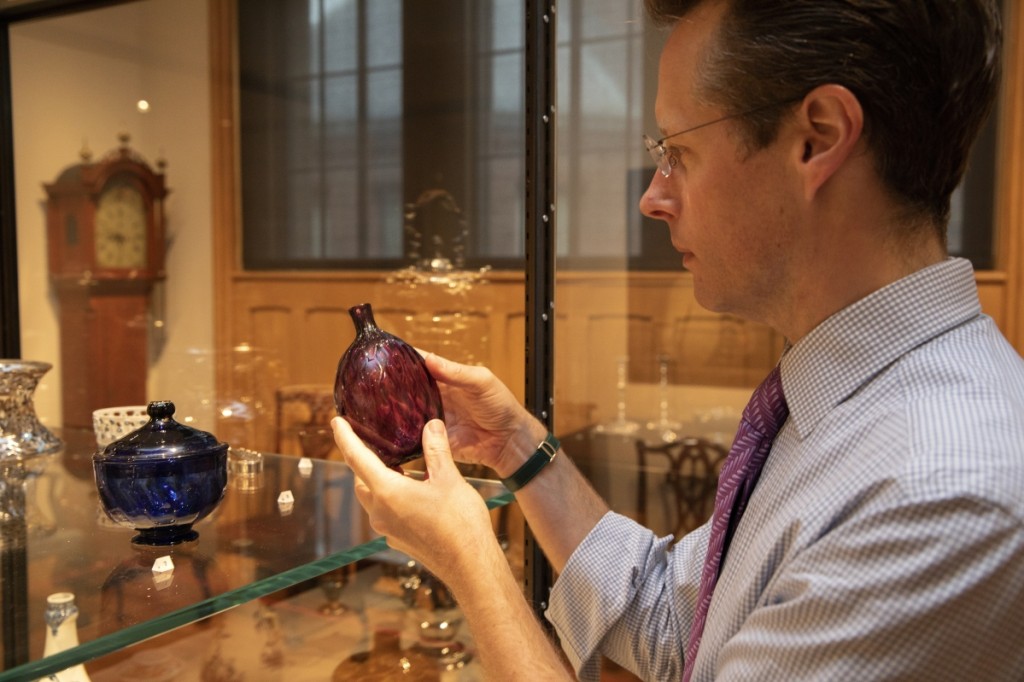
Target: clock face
[121,228]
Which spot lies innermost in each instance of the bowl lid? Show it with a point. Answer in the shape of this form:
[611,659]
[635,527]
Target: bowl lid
[161,437]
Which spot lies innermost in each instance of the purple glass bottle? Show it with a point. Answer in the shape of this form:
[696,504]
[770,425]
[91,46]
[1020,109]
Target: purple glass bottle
[383,389]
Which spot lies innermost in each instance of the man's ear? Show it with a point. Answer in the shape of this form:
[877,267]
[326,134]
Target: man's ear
[831,123]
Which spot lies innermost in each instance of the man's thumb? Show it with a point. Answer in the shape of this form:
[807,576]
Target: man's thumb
[436,450]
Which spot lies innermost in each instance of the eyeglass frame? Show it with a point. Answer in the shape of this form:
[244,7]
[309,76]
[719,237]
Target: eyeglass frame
[659,153]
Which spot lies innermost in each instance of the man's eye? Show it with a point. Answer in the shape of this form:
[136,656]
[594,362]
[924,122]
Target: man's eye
[672,154]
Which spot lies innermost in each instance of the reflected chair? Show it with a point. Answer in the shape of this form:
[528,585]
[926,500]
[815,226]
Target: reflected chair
[688,484]
[304,413]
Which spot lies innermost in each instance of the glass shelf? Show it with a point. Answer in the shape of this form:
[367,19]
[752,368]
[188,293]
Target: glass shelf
[248,548]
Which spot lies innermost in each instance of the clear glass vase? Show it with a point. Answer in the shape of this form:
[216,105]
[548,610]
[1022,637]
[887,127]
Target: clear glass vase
[22,435]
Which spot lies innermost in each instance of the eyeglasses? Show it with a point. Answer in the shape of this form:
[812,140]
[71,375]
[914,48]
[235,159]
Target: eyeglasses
[666,161]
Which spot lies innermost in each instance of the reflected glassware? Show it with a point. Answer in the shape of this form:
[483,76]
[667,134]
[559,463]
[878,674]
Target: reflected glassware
[21,433]
[384,390]
[622,426]
[665,429]
[161,478]
[316,442]
[332,584]
[386,660]
[437,617]
[245,469]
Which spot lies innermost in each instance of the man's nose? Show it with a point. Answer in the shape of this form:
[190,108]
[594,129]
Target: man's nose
[658,202]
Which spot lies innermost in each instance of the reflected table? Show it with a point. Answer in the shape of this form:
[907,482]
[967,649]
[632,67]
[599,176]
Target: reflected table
[250,547]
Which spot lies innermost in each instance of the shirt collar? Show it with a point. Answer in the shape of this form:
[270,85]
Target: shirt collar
[853,345]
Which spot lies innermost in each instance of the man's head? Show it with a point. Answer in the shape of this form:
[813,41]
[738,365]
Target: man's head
[925,73]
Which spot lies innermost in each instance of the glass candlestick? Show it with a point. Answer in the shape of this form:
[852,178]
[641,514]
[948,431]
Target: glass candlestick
[622,425]
[665,429]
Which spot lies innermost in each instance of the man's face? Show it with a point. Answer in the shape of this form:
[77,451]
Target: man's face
[730,212]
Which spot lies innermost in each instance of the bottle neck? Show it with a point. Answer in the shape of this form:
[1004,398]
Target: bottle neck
[362,316]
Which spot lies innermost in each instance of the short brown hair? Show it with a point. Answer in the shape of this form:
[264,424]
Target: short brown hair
[925,72]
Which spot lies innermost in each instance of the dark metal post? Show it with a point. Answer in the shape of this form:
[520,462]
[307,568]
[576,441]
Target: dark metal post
[540,248]
[10,332]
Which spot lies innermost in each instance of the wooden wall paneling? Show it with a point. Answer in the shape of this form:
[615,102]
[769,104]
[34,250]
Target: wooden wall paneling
[508,358]
[1010,189]
[256,365]
[397,321]
[324,334]
[992,292]
[574,409]
[618,343]
[659,296]
[712,348]
[569,343]
[224,190]
[459,335]
[506,308]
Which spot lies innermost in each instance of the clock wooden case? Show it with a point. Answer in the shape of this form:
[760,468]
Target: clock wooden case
[106,241]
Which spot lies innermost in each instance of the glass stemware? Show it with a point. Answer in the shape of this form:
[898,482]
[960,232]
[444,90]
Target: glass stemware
[622,425]
[665,429]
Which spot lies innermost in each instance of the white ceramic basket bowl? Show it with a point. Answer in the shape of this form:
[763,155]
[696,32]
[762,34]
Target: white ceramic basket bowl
[113,423]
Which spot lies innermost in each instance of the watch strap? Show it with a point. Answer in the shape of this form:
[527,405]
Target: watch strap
[544,455]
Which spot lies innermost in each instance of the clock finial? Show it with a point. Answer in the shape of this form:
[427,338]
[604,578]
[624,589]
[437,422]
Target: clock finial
[85,153]
[124,137]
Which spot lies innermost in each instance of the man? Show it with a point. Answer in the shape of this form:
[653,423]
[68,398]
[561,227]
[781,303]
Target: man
[808,155]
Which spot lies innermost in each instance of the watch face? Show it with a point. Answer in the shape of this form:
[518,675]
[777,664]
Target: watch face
[121,228]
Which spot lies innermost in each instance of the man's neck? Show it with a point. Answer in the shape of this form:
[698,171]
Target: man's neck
[849,263]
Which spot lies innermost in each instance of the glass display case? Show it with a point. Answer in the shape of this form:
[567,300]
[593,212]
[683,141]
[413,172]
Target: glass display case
[263,587]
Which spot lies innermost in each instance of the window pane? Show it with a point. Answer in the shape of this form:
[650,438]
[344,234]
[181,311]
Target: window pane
[347,120]
[341,197]
[301,48]
[383,33]
[340,36]
[341,112]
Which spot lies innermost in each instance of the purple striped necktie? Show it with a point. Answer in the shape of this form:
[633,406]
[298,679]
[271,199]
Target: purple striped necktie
[761,421]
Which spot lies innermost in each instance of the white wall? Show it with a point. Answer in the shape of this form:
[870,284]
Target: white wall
[76,79]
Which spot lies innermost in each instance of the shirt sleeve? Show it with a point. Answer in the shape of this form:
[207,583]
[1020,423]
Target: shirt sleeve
[629,595]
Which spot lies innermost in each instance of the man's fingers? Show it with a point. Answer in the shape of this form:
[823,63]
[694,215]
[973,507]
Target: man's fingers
[443,369]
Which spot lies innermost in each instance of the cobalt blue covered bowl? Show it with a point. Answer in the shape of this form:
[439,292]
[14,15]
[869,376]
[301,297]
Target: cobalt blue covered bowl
[161,478]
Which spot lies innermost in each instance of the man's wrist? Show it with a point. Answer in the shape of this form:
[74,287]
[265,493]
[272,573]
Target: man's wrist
[520,448]
[542,457]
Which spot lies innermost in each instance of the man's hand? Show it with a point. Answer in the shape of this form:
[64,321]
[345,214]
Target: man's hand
[443,523]
[438,521]
[486,423]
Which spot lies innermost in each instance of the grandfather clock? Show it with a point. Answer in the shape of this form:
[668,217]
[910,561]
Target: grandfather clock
[105,228]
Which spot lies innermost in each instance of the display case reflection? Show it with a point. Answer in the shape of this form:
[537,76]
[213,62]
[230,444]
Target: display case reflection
[433,303]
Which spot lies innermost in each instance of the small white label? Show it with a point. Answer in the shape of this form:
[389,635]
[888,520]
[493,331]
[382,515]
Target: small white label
[305,466]
[163,565]
[163,573]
